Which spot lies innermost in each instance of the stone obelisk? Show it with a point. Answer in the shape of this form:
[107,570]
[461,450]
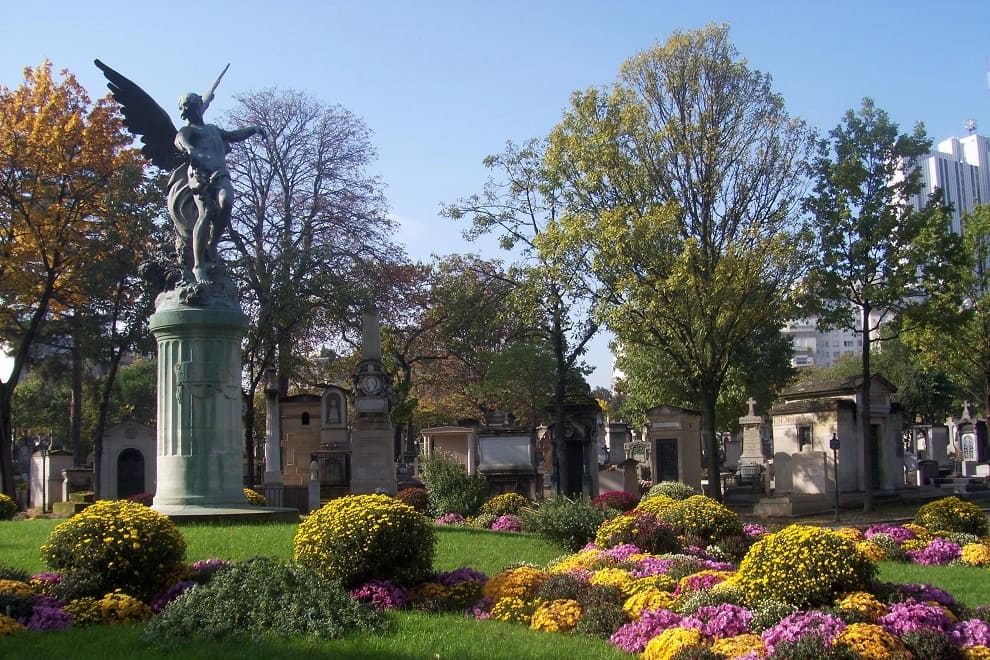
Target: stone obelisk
[372,452]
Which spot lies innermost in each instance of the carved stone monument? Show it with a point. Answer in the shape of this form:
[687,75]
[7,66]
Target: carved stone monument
[372,451]
[197,323]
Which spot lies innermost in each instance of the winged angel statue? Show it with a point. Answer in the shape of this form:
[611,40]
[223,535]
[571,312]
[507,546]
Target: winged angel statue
[200,195]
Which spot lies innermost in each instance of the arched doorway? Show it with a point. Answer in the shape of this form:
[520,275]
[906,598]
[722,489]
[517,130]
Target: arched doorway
[130,473]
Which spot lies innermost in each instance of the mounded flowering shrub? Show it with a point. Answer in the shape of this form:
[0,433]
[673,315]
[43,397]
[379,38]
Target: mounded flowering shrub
[119,608]
[803,566]
[258,599]
[414,496]
[504,503]
[656,504]
[938,552]
[255,498]
[871,642]
[620,500]
[16,598]
[568,523]
[822,628]
[507,522]
[519,582]
[675,490]
[8,507]
[559,615]
[117,545]
[670,642]
[367,537]
[381,595]
[146,499]
[976,554]
[449,487]
[10,626]
[951,514]
[702,517]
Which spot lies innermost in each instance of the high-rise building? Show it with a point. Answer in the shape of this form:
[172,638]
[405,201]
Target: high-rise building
[961,168]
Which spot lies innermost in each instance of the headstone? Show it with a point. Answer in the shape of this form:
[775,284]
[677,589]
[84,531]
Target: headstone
[372,451]
[752,437]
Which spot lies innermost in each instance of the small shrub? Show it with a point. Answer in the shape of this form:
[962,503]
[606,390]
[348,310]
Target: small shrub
[117,545]
[16,599]
[565,522]
[656,504]
[367,537]
[14,573]
[556,616]
[119,608]
[619,500]
[675,490]
[507,523]
[504,503]
[951,514]
[261,598]
[255,498]
[8,507]
[601,611]
[803,566]
[414,496]
[520,582]
[703,517]
[483,520]
[449,488]
[932,645]
[10,626]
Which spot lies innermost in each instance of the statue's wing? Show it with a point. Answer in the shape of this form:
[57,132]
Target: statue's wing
[146,119]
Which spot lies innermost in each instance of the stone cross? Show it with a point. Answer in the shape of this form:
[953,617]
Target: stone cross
[751,402]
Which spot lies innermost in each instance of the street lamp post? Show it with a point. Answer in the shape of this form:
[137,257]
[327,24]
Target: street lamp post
[834,446]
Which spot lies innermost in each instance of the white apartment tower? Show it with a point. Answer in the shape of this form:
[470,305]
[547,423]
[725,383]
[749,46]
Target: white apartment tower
[961,168]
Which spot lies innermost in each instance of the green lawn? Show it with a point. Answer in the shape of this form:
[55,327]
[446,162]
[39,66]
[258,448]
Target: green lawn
[414,634]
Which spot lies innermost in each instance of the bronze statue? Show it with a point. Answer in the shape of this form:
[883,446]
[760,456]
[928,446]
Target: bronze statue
[200,195]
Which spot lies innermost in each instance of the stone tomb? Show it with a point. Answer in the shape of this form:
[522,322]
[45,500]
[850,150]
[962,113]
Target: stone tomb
[674,438]
[128,464]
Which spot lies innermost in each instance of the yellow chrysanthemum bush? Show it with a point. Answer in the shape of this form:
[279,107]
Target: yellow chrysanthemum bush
[951,514]
[701,517]
[514,610]
[119,608]
[872,642]
[655,504]
[10,626]
[648,599]
[255,498]
[976,554]
[115,545]
[672,641]
[803,566]
[8,507]
[503,504]
[367,537]
[560,615]
[863,602]
[519,582]
[641,529]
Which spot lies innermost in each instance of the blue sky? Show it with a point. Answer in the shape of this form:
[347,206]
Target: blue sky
[442,84]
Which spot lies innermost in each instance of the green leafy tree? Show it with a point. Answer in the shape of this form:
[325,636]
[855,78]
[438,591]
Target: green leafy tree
[681,183]
[878,256]
[958,339]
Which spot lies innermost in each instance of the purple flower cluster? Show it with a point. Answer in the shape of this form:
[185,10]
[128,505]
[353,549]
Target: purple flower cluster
[482,609]
[896,532]
[725,620]
[652,566]
[381,594]
[754,531]
[621,552]
[939,552]
[633,637]
[971,632]
[204,569]
[460,575]
[507,523]
[925,593]
[698,582]
[911,616]
[450,519]
[159,601]
[48,614]
[799,625]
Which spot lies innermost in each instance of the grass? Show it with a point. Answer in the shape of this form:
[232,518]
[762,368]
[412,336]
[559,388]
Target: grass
[414,635]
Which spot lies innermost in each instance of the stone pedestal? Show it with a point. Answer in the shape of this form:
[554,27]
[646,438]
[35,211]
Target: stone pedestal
[199,436]
[372,463]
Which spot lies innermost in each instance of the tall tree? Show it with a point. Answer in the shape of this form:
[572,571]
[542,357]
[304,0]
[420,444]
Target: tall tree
[957,339]
[519,201]
[59,154]
[308,228]
[681,182]
[878,256]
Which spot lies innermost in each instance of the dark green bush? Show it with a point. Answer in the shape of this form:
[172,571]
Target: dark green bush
[675,490]
[414,496]
[810,647]
[567,523]
[13,573]
[261,598]
[601,611]
[449,488]
[932,645]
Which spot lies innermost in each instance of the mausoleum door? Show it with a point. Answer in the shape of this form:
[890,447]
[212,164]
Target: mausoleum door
[574,456]
[130,473]
[875,453]
[666,453]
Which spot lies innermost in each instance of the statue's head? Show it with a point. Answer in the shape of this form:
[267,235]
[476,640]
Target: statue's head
[190,101]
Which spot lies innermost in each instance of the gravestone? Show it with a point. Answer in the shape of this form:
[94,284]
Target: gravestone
[673,435]
[128,462]
[752,437]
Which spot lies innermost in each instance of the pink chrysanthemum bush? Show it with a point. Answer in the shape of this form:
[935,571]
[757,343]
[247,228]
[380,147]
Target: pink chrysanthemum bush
[367,537]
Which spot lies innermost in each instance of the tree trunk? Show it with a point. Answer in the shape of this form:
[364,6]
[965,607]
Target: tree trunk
[6,441]
[865,417]
[76,404]
[711,443]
